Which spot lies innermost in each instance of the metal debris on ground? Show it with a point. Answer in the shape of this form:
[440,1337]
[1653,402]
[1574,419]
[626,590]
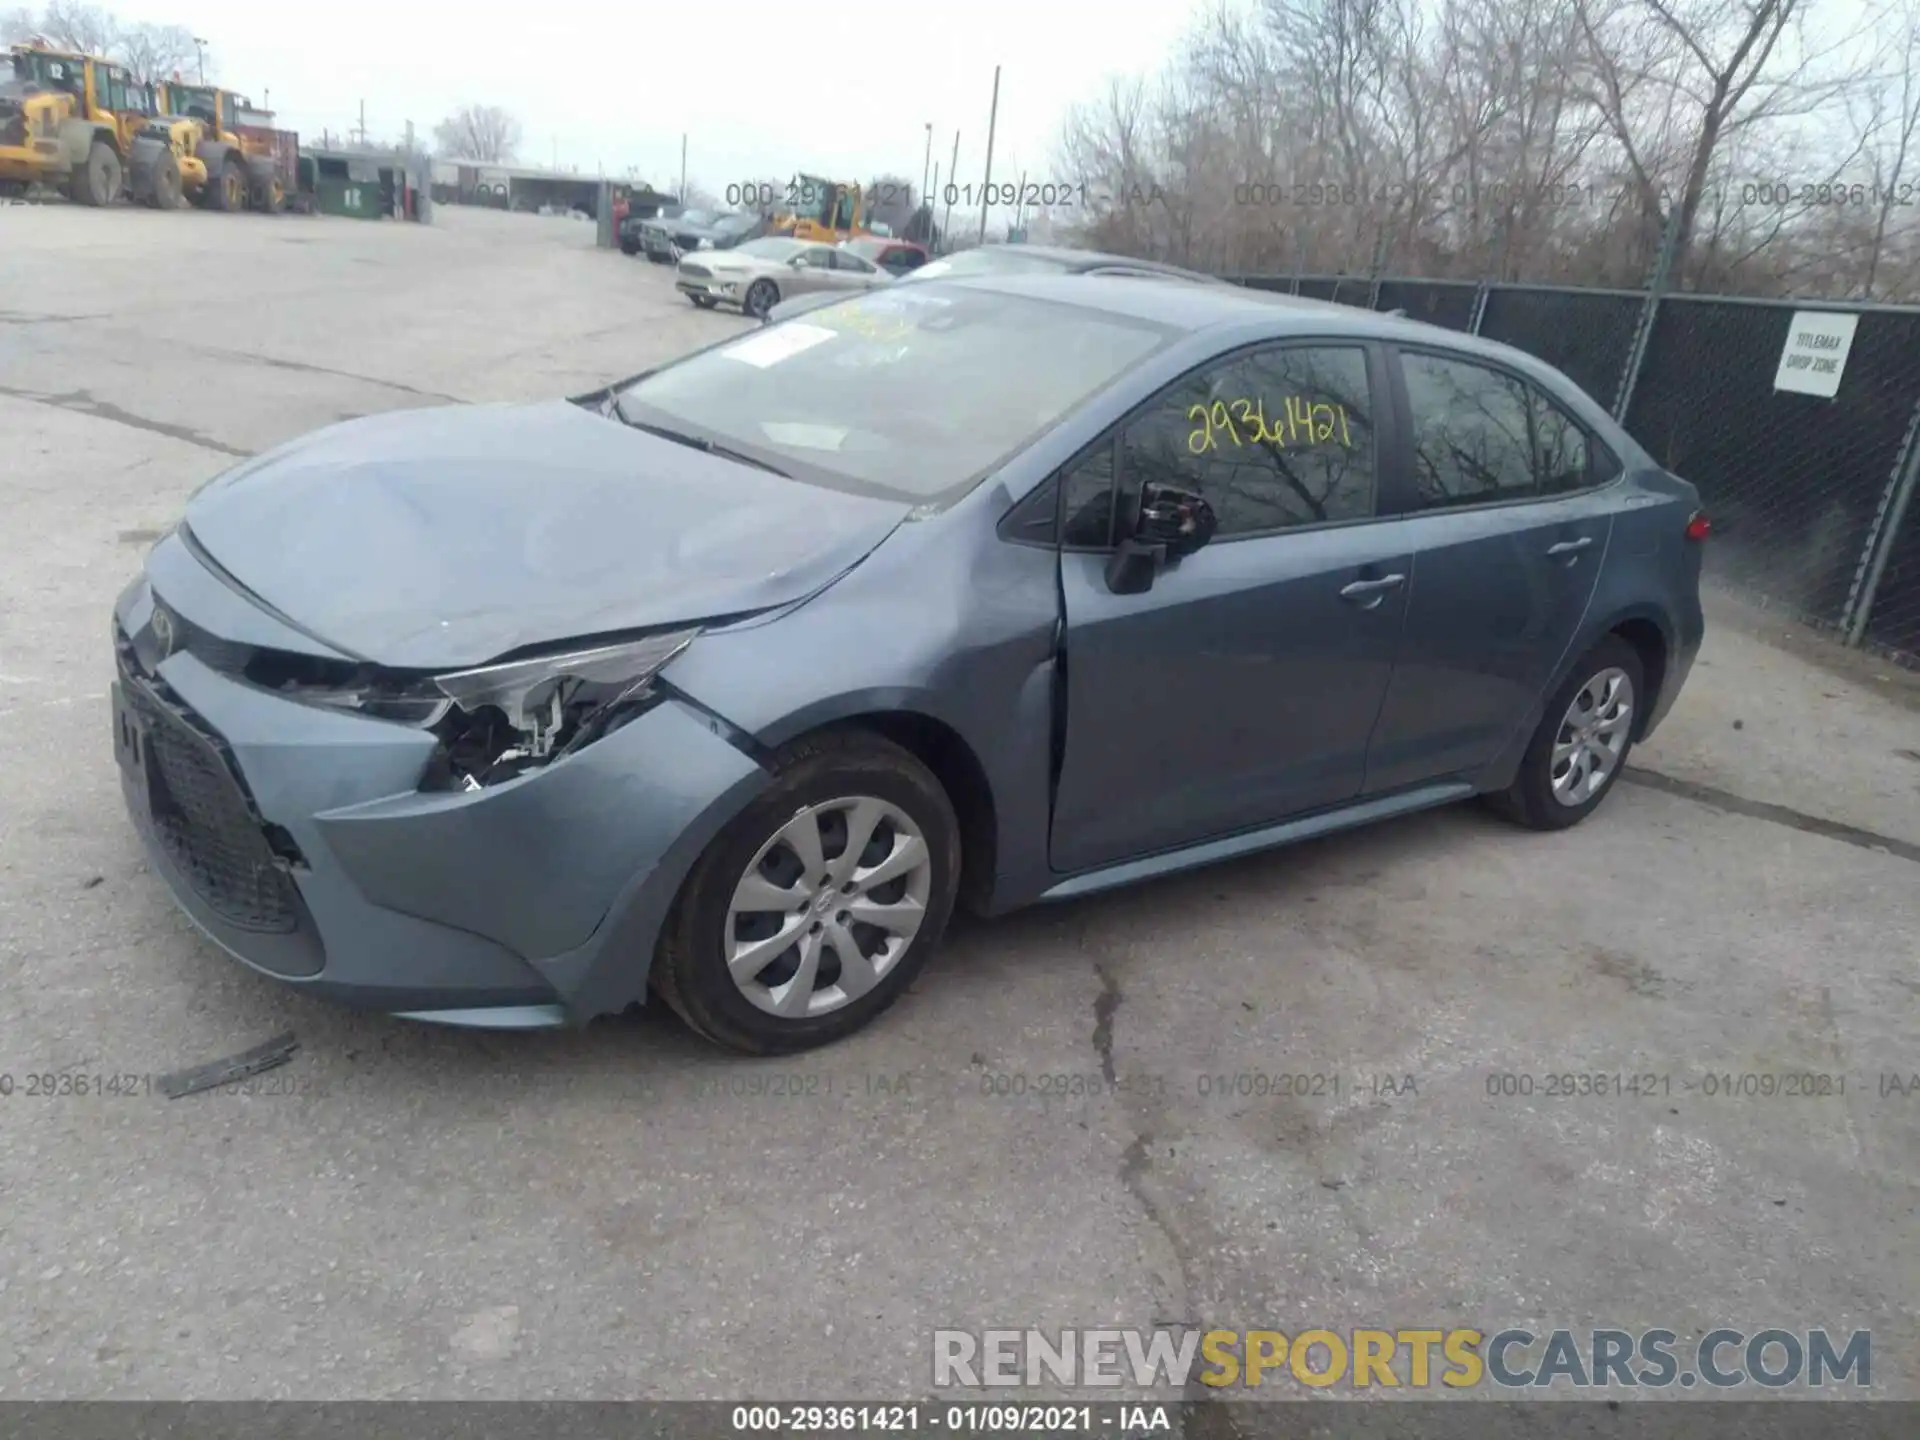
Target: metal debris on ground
[274,1053]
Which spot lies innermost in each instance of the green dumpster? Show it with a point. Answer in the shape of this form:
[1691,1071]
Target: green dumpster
[355,199]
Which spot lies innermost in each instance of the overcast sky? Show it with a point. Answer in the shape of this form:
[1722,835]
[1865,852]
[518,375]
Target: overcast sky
[762,88]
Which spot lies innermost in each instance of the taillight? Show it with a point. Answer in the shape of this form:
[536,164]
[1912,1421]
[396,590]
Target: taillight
[1699,526]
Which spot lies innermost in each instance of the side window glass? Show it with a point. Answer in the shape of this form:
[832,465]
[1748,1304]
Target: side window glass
[1561,445]
[1088,510]
[1470,433]
[818,258]
[1606,464]
[1277,438]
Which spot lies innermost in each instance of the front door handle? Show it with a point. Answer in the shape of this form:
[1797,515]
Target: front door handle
[1367,594]
[1569,547]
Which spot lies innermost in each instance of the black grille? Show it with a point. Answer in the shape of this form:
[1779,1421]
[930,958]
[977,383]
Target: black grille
[206,824]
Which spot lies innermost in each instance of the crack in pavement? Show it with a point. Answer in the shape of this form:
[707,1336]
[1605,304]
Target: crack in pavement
[81,402]
[1726,800]
[305,369]
[1137,1162]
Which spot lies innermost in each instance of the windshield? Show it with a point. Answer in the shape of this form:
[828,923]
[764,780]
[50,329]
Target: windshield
[694,217]
[732,223]
[773,247]
[57,71]
[906,393]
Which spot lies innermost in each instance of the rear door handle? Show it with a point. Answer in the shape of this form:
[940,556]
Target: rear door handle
[1369,593]
[1569,547]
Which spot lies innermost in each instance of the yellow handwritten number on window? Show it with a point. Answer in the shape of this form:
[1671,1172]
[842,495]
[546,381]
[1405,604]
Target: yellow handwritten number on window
[1303,422]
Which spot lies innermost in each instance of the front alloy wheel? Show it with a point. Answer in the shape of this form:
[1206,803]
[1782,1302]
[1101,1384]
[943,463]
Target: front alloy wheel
[762,296]
[812,911]
[829,906]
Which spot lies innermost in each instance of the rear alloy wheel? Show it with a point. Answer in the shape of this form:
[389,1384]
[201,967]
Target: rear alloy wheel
[98,181]
[762,296]
[1581,746]
[813,910]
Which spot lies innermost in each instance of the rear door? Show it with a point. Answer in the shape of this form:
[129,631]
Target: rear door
[1243,685]
[852,273]
[1506,515]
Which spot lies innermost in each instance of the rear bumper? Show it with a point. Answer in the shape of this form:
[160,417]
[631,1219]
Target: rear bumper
[299,842]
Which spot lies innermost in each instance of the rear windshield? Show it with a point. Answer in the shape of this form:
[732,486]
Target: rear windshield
[913,393]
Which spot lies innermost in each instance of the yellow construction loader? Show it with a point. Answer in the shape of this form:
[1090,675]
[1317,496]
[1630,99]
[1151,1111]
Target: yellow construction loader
[191,151]
[68,121]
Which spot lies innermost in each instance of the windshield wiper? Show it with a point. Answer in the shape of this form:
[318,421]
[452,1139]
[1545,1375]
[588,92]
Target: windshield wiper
[700,443]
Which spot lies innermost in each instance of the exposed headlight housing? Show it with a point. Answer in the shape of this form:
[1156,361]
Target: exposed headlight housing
[526,713]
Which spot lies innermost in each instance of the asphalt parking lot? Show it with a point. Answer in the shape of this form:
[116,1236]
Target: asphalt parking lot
[620,1212]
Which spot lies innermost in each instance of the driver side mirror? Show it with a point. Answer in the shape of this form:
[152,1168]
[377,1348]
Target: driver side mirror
[1170,523]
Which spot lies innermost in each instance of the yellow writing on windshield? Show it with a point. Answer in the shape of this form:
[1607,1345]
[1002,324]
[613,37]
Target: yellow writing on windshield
[1300,422]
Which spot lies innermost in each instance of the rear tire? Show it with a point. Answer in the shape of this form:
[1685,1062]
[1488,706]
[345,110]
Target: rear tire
[98,181]
[824,784]
[162,183]
[1582,744]
[226,186]
[265,191]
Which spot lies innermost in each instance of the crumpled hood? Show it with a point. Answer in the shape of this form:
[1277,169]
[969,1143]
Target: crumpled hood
[447,537]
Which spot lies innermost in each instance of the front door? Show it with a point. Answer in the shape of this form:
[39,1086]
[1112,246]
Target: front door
[1508,533]
[1241,687]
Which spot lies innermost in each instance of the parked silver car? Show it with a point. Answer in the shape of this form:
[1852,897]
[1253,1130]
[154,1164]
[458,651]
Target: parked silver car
[760,274]
[1021,259]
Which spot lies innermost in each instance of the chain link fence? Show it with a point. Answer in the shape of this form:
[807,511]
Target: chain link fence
[1812,497]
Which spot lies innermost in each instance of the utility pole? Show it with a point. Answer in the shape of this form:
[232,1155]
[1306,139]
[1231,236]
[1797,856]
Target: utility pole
[266,100]
[953,171]
[683,167]
[360,134]
[200,53]
[986,185]
[928,238]
[925,198]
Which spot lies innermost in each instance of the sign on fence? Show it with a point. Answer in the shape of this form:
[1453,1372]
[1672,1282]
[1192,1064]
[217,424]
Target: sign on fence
[1815,355]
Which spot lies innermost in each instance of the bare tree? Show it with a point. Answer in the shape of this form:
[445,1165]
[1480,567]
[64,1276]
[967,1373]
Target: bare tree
[486,133]
[1892,130]
[85,28]
[1677,79]
[890,200]
[149,51]
[155,52]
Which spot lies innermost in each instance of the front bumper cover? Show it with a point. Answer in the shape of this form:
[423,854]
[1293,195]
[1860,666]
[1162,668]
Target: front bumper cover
[540,896]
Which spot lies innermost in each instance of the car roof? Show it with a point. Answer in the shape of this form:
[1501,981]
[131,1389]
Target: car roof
[1193,308]
[1070,258]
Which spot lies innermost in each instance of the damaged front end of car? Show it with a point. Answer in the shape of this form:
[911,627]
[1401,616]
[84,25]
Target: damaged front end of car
[494,722]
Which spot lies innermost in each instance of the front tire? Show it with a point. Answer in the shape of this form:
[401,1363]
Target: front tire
[762,296]
[98,181]
[703,302]
[814,909]
[1585,735]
